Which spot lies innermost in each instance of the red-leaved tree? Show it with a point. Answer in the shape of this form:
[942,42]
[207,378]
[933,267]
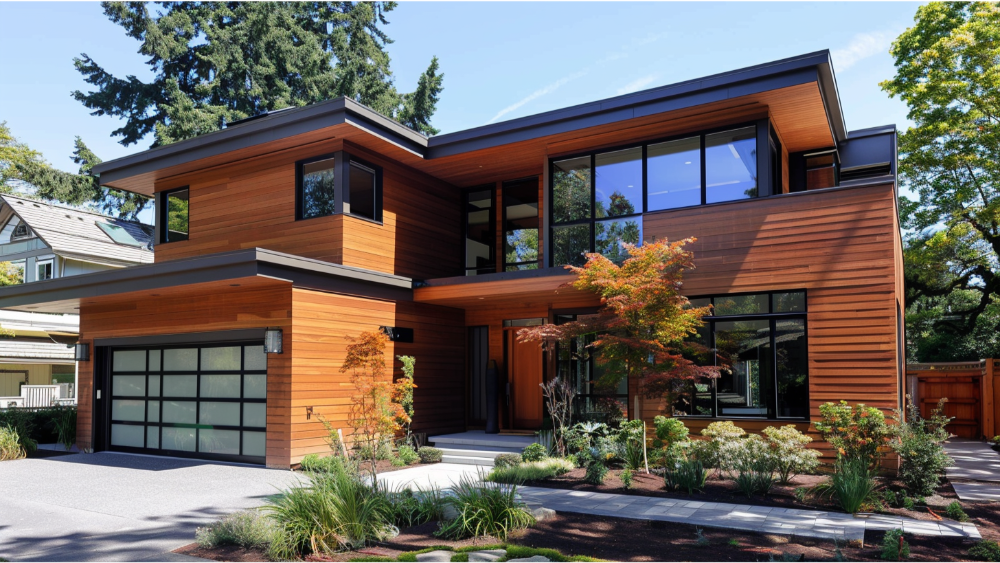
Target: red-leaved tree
[641,330]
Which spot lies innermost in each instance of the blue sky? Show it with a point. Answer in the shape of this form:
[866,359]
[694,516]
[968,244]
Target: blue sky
[501,60]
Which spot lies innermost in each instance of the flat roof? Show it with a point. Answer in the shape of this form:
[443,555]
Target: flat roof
[811,67]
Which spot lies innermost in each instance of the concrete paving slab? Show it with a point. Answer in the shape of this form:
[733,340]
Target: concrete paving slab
[974,461]
[986,491]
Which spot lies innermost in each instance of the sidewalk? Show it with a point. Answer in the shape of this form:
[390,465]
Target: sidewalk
[765,519]
[974,461]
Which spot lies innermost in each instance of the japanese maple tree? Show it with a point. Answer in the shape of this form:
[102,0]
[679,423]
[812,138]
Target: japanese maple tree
[641,330]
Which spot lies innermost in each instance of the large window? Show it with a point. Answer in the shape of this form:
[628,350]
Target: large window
[759,342]
[174,215]
[338,183]
[520,220]
[596,397]
[480,232]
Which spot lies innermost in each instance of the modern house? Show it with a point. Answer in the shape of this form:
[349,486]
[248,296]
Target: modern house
[281,235]
[47,241]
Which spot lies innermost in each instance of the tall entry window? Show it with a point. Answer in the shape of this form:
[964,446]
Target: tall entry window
[759,341]
[480,231]
[575,363]
[520,220]
[207,401]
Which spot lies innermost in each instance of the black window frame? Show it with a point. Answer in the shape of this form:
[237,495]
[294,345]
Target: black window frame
[538,261]
[341,185]
[492,268]
[766,186]
[772,318]
[164,215]
[561,317]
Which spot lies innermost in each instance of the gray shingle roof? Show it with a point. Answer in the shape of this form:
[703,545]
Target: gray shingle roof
[75,234]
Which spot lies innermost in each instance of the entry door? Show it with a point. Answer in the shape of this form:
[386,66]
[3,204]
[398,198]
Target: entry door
[524,365]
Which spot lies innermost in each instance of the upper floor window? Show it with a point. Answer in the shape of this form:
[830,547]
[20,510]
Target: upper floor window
[520,224]
[174,215]
[480,231]
[338,183]
[43,269]
[20,231]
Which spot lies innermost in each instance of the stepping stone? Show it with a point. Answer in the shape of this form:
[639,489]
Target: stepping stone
[439,555]
[532,558]
[487,555]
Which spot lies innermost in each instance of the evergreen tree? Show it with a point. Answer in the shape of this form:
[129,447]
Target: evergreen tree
[218,62]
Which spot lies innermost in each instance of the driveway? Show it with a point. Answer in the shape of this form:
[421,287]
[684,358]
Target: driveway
[119,507]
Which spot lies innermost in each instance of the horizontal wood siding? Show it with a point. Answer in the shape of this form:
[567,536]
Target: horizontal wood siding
[322,324]
[258,302]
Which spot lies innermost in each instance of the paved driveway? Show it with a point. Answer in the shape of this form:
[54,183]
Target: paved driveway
[118,507]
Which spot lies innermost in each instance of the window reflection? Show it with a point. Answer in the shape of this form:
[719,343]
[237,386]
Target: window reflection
[571,189]
[520,200]
[318,196]
[744,347]
[610,235]
[618,180]
[673,174]
[480,237]
[731,165]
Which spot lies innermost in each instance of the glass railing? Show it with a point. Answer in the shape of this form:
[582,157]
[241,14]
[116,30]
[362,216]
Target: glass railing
[21,246]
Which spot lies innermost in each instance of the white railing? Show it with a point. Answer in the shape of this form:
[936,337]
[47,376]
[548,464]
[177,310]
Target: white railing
[40,396]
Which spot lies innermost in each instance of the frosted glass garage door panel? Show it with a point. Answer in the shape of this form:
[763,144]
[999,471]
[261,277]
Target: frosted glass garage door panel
[128,385]
[182,439]
[254,386]
[179,412]
[219,414]
[129,360]
[180,359]
[255,414]
[180,385]
[219,442]
[153,437]
[221,385]
[127,435]
[128,409]
[221,359]
[254,443]
[254,358]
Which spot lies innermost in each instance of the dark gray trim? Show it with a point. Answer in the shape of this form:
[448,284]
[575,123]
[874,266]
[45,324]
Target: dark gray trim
[185,338]
[811,67]
[499,276]
[872,131]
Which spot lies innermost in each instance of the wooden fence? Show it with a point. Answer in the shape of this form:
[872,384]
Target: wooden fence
[972,390]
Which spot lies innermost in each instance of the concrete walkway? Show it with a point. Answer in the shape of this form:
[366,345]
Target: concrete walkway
[974,461]
[765,519]
[439,475]
[119,507]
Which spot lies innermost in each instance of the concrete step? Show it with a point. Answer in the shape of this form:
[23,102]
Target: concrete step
[482,440]
[467,460]
[475,451]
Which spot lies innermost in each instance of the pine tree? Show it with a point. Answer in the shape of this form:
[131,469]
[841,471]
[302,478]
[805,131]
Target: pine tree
[218,62]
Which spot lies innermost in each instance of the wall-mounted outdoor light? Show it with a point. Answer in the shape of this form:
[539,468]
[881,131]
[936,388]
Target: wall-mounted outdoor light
[82,352]
[398,333]
[272,341]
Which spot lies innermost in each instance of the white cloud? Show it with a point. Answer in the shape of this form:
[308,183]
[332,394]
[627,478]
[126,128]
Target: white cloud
[862,46]
[538,94]
[637,84]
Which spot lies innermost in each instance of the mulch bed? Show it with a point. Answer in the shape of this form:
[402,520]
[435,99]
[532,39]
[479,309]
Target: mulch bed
[222,553]
[618,539]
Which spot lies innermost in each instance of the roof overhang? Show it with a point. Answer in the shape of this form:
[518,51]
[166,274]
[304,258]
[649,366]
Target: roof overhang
[344,117]
[549,286]
[65,295]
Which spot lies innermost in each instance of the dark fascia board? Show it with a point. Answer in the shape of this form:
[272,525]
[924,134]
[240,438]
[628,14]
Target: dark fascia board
[812,67]
[872,131]
[269,128]
[209,268]
[495,277]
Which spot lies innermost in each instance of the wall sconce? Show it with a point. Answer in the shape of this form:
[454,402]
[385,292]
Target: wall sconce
[81,352]
[398,333]
[272,341]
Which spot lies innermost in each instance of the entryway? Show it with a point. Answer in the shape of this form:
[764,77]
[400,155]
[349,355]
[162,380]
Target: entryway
[476,447]
[525,369]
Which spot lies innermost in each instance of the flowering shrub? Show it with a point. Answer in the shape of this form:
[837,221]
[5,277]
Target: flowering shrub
[724,446]
[856,432]
[753,462]
[789,452]
[917,441]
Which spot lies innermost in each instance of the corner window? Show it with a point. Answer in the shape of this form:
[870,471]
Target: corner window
[174,215]
[759,342]
[43,270]
[480,231]
[520,219]
[338,183]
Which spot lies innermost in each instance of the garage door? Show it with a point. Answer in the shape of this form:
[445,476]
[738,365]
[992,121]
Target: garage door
[205,401]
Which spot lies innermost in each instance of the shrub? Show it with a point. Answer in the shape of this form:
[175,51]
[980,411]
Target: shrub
[852,484]
[917,441]
[22,421]
[338,511]
[955,512]
[856,432]
[530,471]
[534,452]
[507,460]
[725,442]
[407,455]
[595,473]
[430,455]
[328,464]
[754,466]
[249,529]
[10,444]
[669,431]
[633,455]
[626,477]
[789,452]
[985,550]
[484,508]
[801,493]
[908,503]
[688,475]
[411,508]
[894,547]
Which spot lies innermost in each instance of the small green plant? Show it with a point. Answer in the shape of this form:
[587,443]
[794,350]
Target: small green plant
[985,550]
[788,451]
[626,478]
[801,494]
[412,508]
[996,439]
[733,542]
[596,472]
[249,529]
[10,444]
[852,484]
[430,455]
[532,471]
[64,421]
[22,421]
[918,443]
[699,538]
[534,452]
[484,508]
[508,460]
[407,455]
[894,547]
[890,497]
[687,475]
[955,512]
[327,464]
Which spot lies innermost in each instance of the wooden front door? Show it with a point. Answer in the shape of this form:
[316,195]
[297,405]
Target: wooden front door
[524,372]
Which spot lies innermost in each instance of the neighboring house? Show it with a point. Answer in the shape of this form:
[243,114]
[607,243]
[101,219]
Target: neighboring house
[50,241]
[303,227]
